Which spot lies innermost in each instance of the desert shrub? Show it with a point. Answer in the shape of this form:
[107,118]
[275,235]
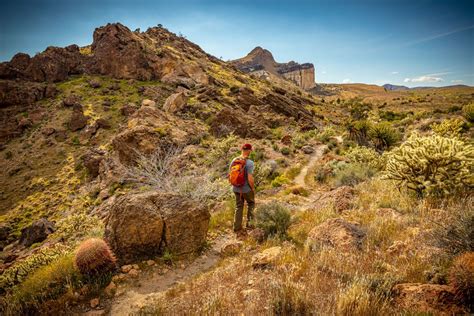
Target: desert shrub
[274,219]
[432,165]
[219,150]
[358,131]
[160,171]
[448,128]
[352,174]
[461,277]
[360,111]
[299,140]
[48,282]
[280,180]
[94,257]
[20,270]
[262,172]
[361,298]
[291,299]
[78,226]
[366,156]
[383,135]
[456,233]
[392,116]
[285,151]
[468,112]
[326,134]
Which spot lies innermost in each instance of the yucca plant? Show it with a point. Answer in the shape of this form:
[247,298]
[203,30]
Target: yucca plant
[383,136]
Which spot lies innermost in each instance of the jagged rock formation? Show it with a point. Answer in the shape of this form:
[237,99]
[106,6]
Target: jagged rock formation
[260,60]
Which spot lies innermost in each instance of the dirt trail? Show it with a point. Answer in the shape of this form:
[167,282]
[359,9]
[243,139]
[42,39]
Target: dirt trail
[318,153]
[150,282]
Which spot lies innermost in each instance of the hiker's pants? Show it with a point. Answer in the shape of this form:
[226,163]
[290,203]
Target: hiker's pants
[240,198]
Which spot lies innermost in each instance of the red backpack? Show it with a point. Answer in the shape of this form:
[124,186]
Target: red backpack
[237,172]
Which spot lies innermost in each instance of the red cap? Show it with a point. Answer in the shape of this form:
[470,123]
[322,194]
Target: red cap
[247,147]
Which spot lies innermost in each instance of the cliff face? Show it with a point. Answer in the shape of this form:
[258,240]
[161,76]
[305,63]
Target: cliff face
[260,60]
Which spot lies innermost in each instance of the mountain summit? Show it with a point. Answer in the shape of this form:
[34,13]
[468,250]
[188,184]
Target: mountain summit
[260,61]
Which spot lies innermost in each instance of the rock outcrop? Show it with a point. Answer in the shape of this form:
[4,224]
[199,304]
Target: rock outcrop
[36,232]
[260,60]
[427,298]
[336,233]
[143,225]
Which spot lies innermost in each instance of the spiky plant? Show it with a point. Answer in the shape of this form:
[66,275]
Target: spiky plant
[94,257]
[468,112]
[461,277]
[448,128]
[358,131]
[383,135]
[432,165]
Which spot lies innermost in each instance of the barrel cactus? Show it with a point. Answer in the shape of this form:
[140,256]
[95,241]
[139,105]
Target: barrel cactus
[432,165]
[94,257]
[461,278]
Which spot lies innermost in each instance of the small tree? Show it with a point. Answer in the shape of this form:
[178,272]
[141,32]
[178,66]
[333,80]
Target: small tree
[432,165]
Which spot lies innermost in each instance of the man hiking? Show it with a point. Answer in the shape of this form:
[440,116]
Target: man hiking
[241,178]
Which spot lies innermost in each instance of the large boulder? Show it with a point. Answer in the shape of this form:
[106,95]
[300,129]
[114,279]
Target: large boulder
[145,224]
[427,298]
[336,233]
[340,198]
[91,161]
[175,102]
[77,120]
[237,121]
[36,232]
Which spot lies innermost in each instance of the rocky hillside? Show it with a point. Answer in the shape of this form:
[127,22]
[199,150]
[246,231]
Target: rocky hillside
[260,62]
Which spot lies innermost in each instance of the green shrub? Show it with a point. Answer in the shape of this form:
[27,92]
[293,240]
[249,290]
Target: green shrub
[392,116]
[432,165]
[448,128]
[285,151]
[358,131]
[352,174]
[280,180]
[326,134]
[383,135]
[48,282]
[274,219]
[20,270]
[366,156]
[468,112]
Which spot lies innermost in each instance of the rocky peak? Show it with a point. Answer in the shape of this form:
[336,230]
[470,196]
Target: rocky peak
[260,59]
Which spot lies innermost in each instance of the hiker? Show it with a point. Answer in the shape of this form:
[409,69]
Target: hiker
[241,178]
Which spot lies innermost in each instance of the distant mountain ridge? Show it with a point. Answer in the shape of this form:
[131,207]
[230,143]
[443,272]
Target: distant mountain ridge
[392,87]
[261,60]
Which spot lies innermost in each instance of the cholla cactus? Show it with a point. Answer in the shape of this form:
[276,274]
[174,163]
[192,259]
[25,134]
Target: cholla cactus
[468,112]
[432,165]
[461,277]
[448,128]
[366,156]
[94,257]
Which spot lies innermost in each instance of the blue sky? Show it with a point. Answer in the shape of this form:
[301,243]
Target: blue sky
[414,43]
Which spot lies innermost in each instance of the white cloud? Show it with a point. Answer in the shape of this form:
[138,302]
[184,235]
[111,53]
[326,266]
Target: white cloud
[426,78]
[323,72]
[457,81]
[347,81]
[394,72]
